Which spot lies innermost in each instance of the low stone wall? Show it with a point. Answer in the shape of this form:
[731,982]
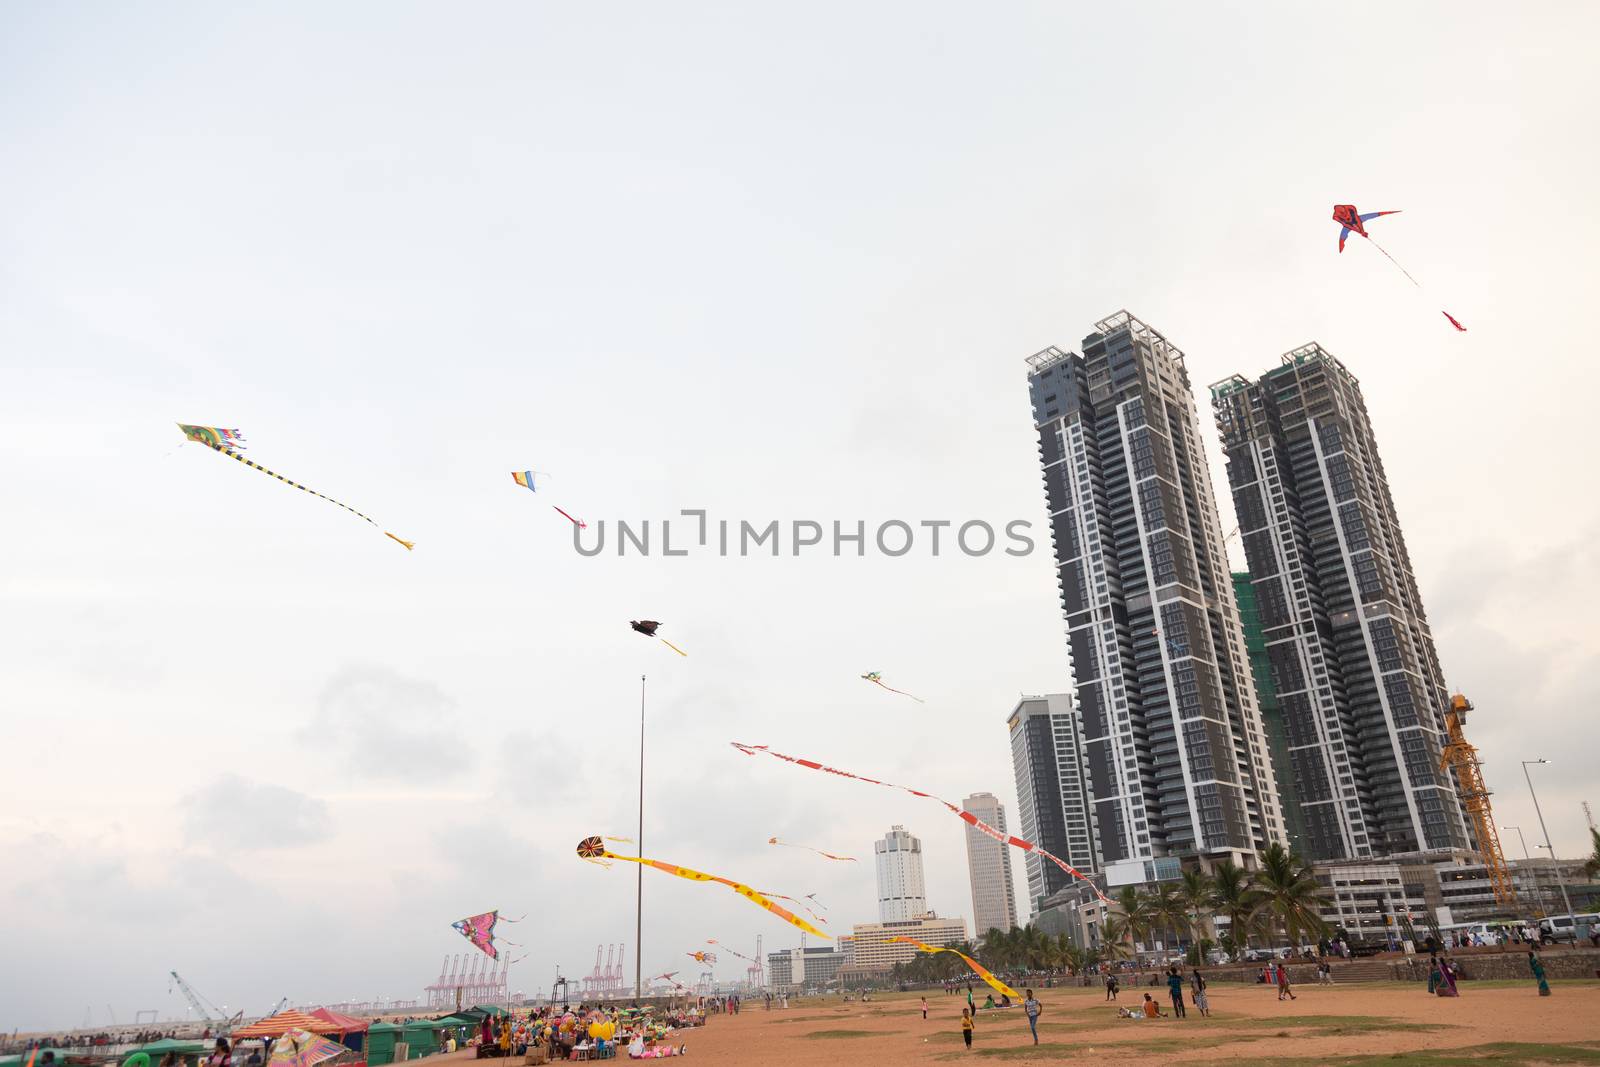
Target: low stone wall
[1558,963]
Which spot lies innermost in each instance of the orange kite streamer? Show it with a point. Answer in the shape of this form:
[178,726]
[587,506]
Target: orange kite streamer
[594,850]
[808,848]
[977,968]
[966,816]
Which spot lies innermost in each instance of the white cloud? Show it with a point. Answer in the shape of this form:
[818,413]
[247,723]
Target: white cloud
[237,814]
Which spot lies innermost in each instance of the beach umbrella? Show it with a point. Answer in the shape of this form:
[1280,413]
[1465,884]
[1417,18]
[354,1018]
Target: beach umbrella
[300,1048]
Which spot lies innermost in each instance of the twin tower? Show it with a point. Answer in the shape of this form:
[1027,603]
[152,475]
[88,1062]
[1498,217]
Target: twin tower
[1165,745]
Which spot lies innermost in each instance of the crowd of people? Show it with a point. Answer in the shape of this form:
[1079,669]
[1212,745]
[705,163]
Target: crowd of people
[565,1033]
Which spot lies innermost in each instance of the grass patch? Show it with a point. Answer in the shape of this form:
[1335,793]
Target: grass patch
[830,1035]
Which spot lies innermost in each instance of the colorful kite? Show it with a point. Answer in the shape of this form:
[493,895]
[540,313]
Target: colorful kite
[877,679]
[228,442]
[966,816]
[526,480]
[648,627]
[479,929]
[977,968]
[1352,221]
[808,848]
[704,957]
[593,848]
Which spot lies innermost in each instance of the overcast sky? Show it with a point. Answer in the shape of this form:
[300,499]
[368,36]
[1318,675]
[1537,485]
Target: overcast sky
[777,263]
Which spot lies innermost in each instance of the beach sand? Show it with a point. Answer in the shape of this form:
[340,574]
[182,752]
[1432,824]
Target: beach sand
[1247,1023]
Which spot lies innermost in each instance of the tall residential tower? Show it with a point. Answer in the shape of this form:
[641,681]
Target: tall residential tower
[1352,660]
[1053,803]
[994,897]
[1178,762]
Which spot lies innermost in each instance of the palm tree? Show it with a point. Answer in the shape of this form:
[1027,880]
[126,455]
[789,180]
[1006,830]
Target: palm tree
[1196,891]
[1135,912]
[1115,936]
[1591,866]
[1233,899]
[1167,911]
[1289,894]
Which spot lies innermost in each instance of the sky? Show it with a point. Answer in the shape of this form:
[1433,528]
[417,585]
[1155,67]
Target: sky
[771,262]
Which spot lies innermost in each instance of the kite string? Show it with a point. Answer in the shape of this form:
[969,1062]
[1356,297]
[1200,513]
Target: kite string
[1396,262]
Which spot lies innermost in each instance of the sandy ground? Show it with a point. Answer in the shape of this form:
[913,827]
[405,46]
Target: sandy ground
[1246,1022]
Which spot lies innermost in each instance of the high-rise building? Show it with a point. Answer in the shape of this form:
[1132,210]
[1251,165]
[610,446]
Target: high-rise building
[1177,757]
[1352,659]
[902,896]
[994,898]
[1255,646]
[1053,802]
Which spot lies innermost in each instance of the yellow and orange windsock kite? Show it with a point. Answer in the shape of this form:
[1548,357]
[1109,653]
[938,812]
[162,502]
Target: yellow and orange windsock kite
[594,849]
[808,848]
[965,816]
[977,968]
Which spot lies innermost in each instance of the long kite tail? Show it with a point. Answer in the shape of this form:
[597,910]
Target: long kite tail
[672,646]
[1396,262]
[903,693]
[253,465]
[579,523]
[793,900]
[808,848]
[592,848]
[965,816]
[977,968]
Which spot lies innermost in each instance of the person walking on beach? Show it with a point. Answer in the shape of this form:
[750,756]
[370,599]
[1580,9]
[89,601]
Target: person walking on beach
[1175,987]
[1111,986]
[1032,1008]
[1283,984]
[1197,988]
[1536,965]
[924,1009]
[966,1026]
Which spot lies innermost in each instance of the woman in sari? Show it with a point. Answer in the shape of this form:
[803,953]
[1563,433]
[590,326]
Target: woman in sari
[1434,976]
[1447,980]
[1537,967]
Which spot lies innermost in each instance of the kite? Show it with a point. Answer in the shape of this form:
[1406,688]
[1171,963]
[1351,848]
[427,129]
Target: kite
[526,480]
[725,948]
[977,968]
[813,898]
[877,679]
[648,627]
[808,848]
[966,816]
[479,929]
[1352,221]
[793,900]
[704,957]
[593,848]
[229,443]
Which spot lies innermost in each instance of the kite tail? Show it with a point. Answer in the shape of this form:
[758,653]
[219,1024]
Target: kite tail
[578,523]
[1453,321]
[902,692]
[672,646]
[1396,262]
[409,544]
[253,465]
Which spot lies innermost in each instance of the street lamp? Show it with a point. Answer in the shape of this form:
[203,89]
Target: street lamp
[1538,887]
[1560,881]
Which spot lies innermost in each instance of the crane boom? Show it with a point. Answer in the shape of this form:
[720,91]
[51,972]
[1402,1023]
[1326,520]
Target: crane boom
[207,1011]
[1460,756]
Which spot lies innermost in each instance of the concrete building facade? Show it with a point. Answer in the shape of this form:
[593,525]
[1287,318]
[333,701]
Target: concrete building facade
[902,892]
[994,896]
[1352,660]
[1177,757]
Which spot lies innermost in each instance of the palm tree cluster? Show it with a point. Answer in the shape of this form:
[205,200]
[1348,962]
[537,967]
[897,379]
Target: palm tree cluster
[1282,898]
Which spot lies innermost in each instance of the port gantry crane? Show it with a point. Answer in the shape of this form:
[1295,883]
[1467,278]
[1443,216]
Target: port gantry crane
[1460,756]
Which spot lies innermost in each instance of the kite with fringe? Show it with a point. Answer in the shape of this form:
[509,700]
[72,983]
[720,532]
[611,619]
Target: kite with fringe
[479,929]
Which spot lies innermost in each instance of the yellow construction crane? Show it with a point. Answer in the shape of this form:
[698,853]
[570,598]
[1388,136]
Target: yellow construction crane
[1460,756]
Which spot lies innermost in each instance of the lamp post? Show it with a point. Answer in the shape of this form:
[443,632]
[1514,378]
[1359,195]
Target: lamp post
[1560,881]
[638,915]
[1538,887]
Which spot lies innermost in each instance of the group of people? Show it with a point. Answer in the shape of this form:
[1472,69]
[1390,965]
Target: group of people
[563,1031]
[1031,1008]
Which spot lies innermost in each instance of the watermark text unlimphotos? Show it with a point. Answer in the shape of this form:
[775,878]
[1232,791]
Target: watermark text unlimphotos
[692,533]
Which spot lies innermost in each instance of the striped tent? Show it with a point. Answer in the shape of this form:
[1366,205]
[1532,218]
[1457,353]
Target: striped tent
[281,1023]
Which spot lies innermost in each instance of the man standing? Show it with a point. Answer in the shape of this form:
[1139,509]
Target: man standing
[1031,1006]
[1175,987]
